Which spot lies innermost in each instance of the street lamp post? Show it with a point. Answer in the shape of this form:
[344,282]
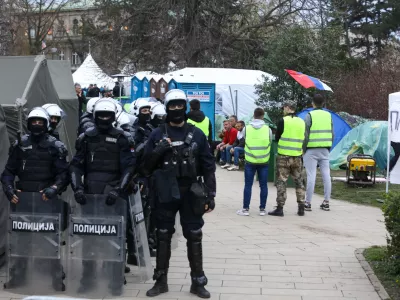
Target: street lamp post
[120,77]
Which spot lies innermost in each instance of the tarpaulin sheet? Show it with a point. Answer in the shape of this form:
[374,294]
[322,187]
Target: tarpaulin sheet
[368,138]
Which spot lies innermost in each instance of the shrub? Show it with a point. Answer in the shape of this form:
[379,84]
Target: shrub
[391,211]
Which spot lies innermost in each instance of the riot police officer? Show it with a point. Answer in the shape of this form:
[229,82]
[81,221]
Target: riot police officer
[105,157]
[39,161]
[179,153]
[56,115]
[158,114]
[86,121]
[141,126]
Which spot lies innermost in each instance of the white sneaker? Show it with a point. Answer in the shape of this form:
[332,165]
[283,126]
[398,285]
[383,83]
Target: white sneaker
[243,212]
[262,212]
[225,166]
[233,168]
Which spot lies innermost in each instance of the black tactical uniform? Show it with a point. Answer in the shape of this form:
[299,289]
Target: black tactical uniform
[105,156]
[85,122]
[39,161]
[177,166]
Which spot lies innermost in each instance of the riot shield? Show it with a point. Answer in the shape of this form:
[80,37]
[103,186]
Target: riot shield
[34,263]
[96,247]
[143,270]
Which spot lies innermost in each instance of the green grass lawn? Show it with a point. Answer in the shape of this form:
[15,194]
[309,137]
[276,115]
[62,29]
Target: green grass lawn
[368,195]
[377,258]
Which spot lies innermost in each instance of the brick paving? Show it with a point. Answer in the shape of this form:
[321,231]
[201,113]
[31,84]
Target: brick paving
[264,257]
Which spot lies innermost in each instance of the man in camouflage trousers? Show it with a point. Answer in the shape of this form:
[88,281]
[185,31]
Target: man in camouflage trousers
[290,137]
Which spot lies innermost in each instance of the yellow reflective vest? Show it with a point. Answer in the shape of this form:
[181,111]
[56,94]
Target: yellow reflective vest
[203,125]
[257,145]
[321,131]
[292,139]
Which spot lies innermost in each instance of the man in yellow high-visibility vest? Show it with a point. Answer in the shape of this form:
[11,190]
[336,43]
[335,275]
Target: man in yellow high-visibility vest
[317,144]
[257,152]
[197,118]
[290,137]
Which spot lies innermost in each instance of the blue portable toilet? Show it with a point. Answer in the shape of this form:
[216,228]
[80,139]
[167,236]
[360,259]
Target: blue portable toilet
[172,84]
[136,88]
[205,93]
[146,88]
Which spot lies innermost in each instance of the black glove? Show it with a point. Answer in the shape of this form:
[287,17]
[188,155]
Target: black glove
[9,191]
[162,147]
[113,195]
[50,192]
[211,203]
[80,197]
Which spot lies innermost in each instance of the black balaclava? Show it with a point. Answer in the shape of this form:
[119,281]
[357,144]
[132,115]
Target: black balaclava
[144,118]
[104,124]
[158,120]
[177,116]
[53,125]
[37,130]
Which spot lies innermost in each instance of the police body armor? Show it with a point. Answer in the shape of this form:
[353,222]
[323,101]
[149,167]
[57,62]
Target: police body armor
[34,254]
[96,247]
[36,163]
[102,163]
[180,165]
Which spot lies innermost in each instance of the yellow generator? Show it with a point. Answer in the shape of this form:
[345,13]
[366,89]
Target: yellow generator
[361,169]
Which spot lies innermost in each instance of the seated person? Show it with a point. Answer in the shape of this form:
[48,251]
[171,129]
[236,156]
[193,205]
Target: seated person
[229,139]
[237,148]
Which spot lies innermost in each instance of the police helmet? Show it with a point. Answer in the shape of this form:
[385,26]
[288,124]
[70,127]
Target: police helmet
[53,110]
[157,110]
[42,114]
[175,95]
[105,106]
[91,103]
[138,105]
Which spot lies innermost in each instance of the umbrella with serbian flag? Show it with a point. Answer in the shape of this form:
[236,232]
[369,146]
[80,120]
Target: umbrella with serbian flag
[308,81]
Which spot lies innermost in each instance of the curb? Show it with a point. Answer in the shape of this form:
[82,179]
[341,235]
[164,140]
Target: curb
[371,275]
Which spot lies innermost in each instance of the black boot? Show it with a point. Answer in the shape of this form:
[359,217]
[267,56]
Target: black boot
[162,263]
[58,277]
[127,269]
[88,280]
[17,274]
[300,210]
[195,256]
[277,212]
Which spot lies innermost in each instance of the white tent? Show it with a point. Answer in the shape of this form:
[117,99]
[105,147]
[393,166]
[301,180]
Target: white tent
[90,73]
[235,91]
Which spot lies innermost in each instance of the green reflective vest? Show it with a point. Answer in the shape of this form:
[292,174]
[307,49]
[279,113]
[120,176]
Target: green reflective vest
[257,145]
[292,138]
[321,134]
[203,125]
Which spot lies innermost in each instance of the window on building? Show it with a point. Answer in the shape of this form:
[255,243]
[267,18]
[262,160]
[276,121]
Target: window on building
[75,27]
[61,28]
[61,55]
[75,59]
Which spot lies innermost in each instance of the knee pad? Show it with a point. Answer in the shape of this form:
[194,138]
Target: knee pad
[164,234]
[195,235]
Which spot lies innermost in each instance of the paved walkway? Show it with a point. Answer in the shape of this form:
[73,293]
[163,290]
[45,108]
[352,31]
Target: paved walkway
[289,258]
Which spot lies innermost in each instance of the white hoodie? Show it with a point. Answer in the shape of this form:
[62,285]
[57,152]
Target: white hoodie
[257,123]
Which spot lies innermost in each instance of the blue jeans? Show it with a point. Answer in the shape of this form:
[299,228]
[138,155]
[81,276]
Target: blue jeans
[236,153]
[249,172]
[225,155]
